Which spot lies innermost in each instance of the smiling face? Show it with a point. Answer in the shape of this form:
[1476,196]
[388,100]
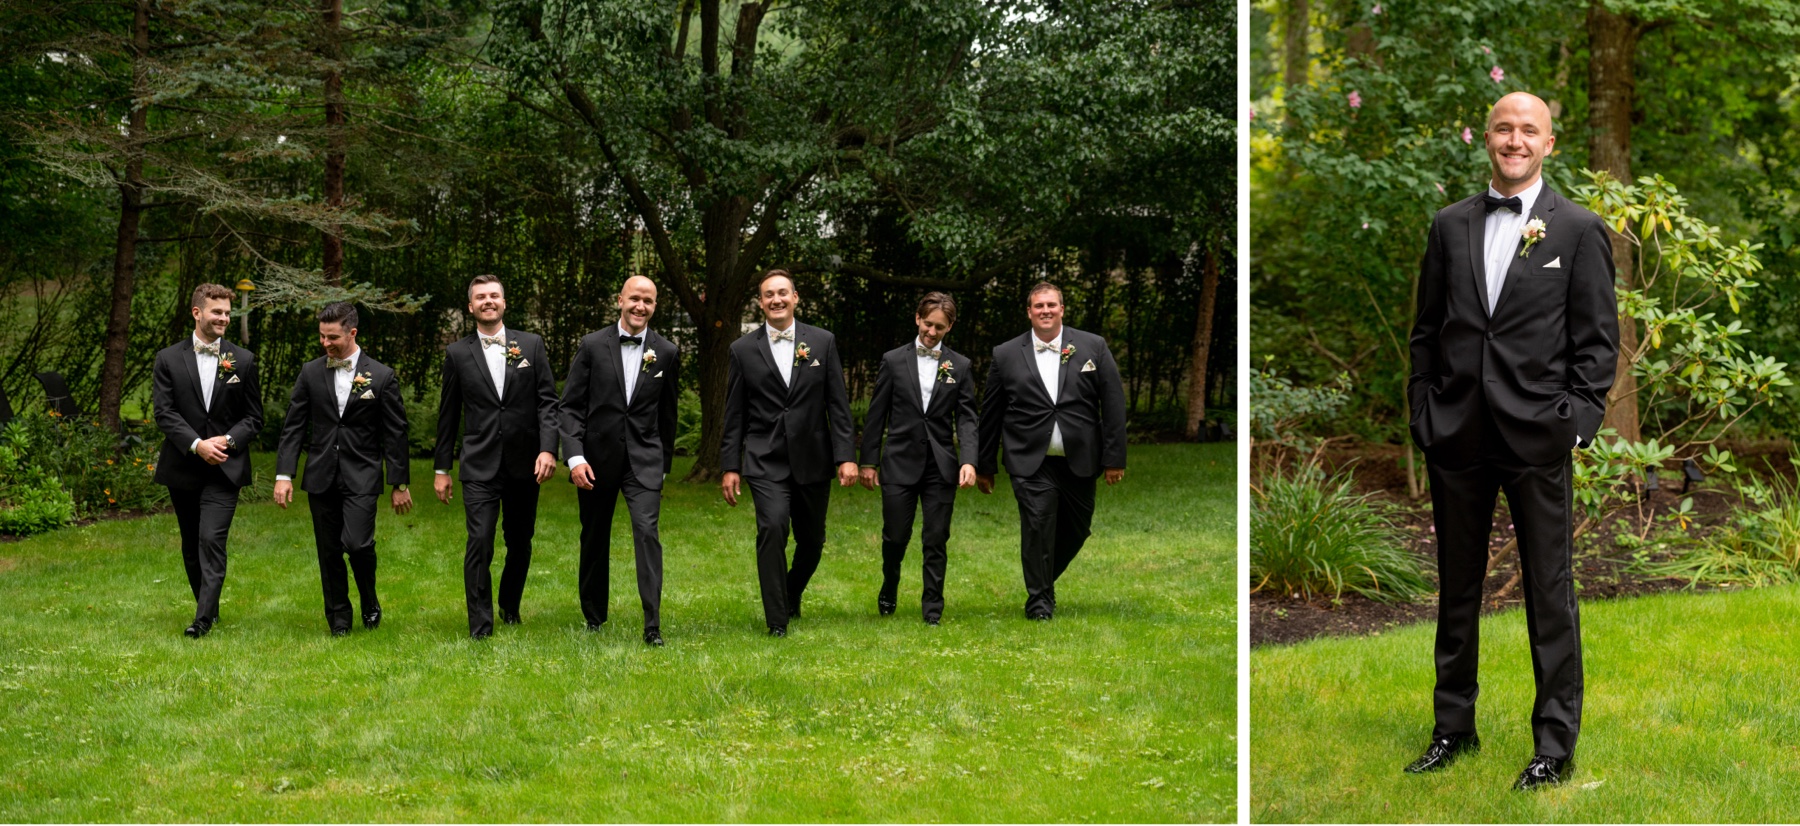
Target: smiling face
[487,302]
[211,319]
[1046,311]
[337,341]
[1518,139]
[637,303]
[932,327]
[777,298]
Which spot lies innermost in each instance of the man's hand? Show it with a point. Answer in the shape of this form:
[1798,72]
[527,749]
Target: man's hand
[870,478]
[212,451]
[728,485]
[546,466]
[966,478]
[846,474]
[403,500]
[583,476]
[984,482]
[1115,475]
[443,487]
[224,442]
[284,492]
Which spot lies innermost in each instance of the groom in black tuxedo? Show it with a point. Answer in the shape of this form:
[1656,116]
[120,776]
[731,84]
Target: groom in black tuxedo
[787,426]
[345,411]
[918,446]
[619,414]
[1513,351]
[1054,399]
[208,408]
[499,390]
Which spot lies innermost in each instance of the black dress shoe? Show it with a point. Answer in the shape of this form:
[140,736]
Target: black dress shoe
[340,632]
[1039,615]
[1443,751]
[480,635]
[372,620]
[931,621]
[886,606]
[1544,771]
[596,626]
[778,631]
[509,617]
[198,629]
[653,638]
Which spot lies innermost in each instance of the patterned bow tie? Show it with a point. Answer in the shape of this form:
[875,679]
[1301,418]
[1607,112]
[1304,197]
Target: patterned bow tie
[1492,203]
[1043,346]
[497,341]
[926,352]
[781,335]
[336,364]
[633,340]
[207,349]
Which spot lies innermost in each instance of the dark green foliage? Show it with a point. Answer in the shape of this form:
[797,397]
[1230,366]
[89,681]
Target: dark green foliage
[1317,538]
[99,470]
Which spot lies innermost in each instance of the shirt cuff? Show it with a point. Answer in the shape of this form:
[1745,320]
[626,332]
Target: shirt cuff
[443,473]
[195,447]
[282,478]
[577,461]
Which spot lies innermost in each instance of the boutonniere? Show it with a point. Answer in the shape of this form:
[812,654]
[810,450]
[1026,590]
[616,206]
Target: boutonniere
[649,358]
[1067,351]
[1532,233]
[944,368]
[801,353]
[360,381]
[513,353]
[227,363]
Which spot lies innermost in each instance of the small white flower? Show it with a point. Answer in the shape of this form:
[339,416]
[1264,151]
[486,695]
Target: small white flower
[1532,233]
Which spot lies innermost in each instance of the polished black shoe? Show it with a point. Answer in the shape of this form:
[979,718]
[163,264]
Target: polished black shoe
[887,607]
[1544,771]
[1443,751]
[340,632]
[931,621]
[778,631]
[198,629]
[596,626]
[653,638]
[1039,615]
[509,617]
[372,620]
[480,635]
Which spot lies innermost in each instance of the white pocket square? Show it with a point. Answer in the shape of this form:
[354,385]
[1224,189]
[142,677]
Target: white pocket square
[814,364]
[524,362]
[658,375]
[1089,367]
[367,394]
[949,381]
[232,380]
[1555,264]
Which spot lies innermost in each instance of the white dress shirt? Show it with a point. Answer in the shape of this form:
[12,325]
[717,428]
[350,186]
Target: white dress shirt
[783,352]
[928,368]
[340,388]
[1049,365]
[209,369]
[496,360]
[631,361]
[1502,238]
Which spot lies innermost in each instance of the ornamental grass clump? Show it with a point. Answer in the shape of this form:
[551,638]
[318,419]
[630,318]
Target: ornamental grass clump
[1760,547]
[1315,537]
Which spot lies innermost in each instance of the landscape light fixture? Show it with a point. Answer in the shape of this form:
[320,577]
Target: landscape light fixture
[1690,471]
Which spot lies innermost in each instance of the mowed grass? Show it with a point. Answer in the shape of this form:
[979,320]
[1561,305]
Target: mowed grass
[1121,709]
[1689,716]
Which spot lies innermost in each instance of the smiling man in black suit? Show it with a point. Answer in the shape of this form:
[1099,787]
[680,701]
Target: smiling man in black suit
[208,407]
[498,388]
[1054,399]
[787,426]
[919,447]
[1513,351]
[345,411]
[619,413]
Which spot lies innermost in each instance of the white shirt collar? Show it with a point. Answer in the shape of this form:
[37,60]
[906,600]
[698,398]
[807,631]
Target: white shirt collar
[220,342]
[793,327]
[624,332]
[479,335]
[919,342]
[1527,199]
[1055,342]
[353,357]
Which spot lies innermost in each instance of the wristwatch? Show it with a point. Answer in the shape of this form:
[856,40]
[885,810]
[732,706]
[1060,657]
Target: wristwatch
[230,443]
[401,488]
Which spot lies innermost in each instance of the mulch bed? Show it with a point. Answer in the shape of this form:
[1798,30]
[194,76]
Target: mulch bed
[1603,569]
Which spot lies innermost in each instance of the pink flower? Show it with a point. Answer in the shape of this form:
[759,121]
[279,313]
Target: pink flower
[1486,50]
[1468,137]
[1434,529]
[1355,100]
[1253,113]
[1376,10]
[1498,74]
[1365,225]
[1440,188]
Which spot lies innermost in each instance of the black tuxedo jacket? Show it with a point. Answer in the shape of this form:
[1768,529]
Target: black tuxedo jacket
[1017,413]
[182,416]
[1541,366]
[901,434]
[345,452]
[776,431]
[501,437]
[597,423]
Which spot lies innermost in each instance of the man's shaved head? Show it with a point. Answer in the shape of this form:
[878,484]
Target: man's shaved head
[1518,140]
[1523,103]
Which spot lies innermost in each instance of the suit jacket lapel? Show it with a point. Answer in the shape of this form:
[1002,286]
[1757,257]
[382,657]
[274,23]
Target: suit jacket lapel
[1518,264]
[218,378]
[1478,249]
[610,350]
[325,378]
[794,371]
[192,369]
[472,346]
[1066,366]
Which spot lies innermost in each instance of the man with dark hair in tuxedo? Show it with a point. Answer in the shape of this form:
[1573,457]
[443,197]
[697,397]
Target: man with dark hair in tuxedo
[1513,350]
[918,446]
[345,411]
[498,388]
[787,425]
[204,392]
[1054,399]
[618,412]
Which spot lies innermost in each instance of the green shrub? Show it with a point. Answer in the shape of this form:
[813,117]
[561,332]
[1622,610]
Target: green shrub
[1761,546]
[687,424]
[101,470]
[30,500]
[1315,537]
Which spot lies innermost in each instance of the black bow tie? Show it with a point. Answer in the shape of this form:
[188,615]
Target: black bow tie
[1492,203]
[633,339]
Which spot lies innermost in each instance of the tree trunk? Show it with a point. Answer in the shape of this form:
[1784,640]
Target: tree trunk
[332,261]
[1612,42]
[716,336]
[118,321]
[1209,290]
[1297,31]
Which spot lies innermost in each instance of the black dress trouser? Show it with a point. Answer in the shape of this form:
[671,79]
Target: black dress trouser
[344,526]
[484,505]
[936,496]
[1056,512]
[1541,500]
[204,515]
[644,506]
[779,506]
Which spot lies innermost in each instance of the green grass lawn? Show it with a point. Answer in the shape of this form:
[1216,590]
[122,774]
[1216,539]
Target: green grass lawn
[1121,709]
[1690,715]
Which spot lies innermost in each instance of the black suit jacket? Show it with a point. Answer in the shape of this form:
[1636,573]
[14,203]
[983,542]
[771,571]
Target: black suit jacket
[901,434]
[775,431]
[597,423]
[182,416]
[345,452]
[501,437]
[1090,407]
[1541,366]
